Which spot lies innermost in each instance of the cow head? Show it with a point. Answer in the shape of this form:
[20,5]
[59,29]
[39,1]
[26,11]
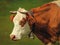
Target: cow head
[19,29]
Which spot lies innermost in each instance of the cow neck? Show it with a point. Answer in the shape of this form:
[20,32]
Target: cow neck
[30,15]
[31,20]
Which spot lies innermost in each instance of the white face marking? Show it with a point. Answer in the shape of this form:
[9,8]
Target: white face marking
[19,31]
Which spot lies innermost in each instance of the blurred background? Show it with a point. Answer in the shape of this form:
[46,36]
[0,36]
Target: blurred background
[6,26]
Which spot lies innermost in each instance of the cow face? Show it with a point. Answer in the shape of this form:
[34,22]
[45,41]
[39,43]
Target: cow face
[18,30]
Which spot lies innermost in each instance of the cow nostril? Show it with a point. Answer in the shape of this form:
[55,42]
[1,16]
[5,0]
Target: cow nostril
[12,37]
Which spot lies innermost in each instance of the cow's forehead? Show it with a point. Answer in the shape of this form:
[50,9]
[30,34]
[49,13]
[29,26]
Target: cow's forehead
[22,10]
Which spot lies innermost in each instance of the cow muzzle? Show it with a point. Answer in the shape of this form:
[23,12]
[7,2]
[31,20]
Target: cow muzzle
[14,38]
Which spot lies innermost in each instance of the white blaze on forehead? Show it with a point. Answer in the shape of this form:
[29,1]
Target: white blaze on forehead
[17,28]
[19,31]
[19,16]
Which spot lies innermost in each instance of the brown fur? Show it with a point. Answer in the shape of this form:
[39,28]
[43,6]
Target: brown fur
[22,22]
[11,17]
[46,21]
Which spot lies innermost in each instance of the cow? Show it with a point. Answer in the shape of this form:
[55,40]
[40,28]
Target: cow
[42,21]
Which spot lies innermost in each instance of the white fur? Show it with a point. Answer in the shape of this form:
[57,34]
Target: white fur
[19,31]
[56,2]
[49,44]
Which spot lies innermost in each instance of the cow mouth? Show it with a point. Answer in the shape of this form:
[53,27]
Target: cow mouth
[14,38]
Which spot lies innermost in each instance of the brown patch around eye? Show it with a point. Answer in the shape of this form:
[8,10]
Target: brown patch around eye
[22,22]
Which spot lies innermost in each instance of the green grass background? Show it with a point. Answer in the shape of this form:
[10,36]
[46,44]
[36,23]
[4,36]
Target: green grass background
[6,26]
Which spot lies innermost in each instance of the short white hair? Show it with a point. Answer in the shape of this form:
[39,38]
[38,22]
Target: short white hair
[21,10]
[56,2]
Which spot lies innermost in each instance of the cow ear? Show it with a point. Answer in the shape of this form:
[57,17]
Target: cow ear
[13,12]
[11,18]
